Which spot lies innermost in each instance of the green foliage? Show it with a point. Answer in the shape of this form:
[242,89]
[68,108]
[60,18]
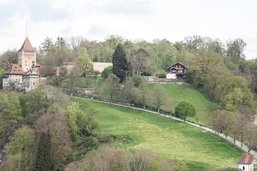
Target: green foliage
[86,124]
[230,107]
[235,50]
[106,72]
[139,61]
[10,110]
[34,102]
[7,59]
[20,151]
[1,72]
[82,128]
[161,74]
[44,160]
[55,125]
[137,80]
[178,141]
[10,105]
[85,64]
[47,46]
[121,66]
[117,159]
[72,111]
[158,97]
[110,87]
[185,109]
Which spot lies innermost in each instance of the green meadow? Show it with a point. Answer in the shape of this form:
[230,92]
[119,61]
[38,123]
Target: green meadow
[165,137]
[204,107]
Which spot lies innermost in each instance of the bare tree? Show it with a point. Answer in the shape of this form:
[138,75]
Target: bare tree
[159,98]
[139,61]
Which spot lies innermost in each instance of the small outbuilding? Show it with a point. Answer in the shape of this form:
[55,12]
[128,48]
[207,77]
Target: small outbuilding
[176,71]
[246,162]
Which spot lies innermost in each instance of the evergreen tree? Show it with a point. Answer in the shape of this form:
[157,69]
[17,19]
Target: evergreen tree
[44,160]
[121,66]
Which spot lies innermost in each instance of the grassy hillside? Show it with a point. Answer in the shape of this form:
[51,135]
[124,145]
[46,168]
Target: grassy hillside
[204,107]
[167,138]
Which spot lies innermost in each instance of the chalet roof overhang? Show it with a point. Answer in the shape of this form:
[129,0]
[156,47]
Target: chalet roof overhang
[173,66]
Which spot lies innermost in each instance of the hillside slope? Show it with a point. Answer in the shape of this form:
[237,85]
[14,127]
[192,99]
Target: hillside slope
[204,107]
[167,138]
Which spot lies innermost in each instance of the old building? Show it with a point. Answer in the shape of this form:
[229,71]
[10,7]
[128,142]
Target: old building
[246,162]
[25,74]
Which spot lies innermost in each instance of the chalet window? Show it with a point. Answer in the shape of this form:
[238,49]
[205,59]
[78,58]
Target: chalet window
[243,168]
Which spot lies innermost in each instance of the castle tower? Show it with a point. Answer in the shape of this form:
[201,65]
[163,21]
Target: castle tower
[27,56]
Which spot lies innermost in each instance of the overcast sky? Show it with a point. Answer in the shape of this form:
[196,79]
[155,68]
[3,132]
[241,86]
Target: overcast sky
[131,19]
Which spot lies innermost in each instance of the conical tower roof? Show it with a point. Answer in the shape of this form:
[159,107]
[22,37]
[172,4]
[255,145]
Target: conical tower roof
[26,46]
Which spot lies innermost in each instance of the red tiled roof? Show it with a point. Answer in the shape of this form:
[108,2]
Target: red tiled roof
[26,46]
[16,70]
[246,158]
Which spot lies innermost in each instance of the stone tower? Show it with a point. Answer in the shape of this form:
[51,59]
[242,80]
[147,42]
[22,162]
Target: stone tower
[27,56]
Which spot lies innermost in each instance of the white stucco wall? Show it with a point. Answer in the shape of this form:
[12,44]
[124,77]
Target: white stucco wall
[246,167]
[171,76]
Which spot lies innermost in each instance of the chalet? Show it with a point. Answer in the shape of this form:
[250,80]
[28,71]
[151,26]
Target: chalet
[246,162]
[176,71]
[25,74]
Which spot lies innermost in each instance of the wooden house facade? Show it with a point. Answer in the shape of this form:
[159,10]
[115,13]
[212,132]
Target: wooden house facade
[176,71]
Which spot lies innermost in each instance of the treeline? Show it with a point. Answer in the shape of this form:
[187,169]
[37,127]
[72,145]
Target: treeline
[34,130]
[44,130]
[37,130]
[220,72]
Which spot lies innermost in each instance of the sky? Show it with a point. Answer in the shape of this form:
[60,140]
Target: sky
[132,19]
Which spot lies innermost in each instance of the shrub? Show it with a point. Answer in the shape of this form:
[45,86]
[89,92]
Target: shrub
[161,74]
[116,159]
[185,109]
[20,151]
[137,80]
[106,72]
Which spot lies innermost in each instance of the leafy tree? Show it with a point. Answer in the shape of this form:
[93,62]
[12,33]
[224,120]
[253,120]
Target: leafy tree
[121,66]
[143,96]
[235,50]
[223,121]
[137,80]
[84,62]
[185,109]
[195,43]
[44,160]
[140,61]
[57,127]
[34,102]
[20,151]
[113,41]
[159,97]
[106,72]
[10,110]
[7,59]
[47,46]
[111,86]
[130,92]
[72,112]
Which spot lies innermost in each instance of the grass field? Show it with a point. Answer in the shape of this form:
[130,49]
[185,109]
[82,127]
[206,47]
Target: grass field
[204,107]
[166,138]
